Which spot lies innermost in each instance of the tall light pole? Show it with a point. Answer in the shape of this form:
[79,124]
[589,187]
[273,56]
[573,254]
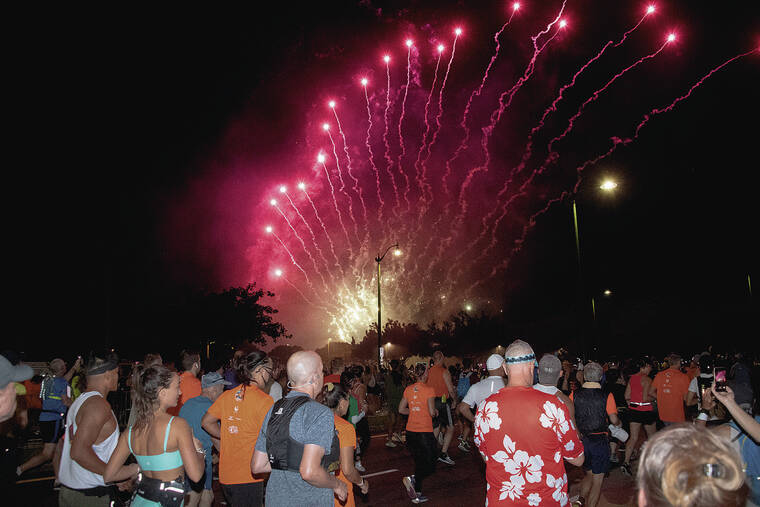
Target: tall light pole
[608,186]
[379,259]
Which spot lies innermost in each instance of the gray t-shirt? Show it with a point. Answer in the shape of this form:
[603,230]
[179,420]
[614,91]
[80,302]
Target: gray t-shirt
[312,423]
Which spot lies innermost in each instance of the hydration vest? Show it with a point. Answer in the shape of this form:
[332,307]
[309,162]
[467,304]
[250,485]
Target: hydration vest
[284,452]
[590,410]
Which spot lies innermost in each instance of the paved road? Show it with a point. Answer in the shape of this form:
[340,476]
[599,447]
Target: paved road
[461,484]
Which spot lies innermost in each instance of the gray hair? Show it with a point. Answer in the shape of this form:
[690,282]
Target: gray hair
[593,372]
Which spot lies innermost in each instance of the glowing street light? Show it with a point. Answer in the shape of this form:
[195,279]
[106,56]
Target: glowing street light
[379,259]
[468,308]
[607,292]
[608,185]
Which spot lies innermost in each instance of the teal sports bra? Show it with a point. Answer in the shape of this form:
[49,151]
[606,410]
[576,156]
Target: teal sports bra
[157,462]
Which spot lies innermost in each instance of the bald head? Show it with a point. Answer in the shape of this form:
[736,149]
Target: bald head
[305,370]
[519,363]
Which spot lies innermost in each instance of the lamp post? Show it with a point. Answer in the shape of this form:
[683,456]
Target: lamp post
[607,186]
[379,259]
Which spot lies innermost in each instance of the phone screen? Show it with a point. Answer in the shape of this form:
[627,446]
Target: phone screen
[720,379]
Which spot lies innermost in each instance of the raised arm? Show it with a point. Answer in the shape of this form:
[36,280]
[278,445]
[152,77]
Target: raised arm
[742,418]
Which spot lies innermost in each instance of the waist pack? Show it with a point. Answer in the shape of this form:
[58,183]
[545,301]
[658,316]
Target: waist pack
[167,493]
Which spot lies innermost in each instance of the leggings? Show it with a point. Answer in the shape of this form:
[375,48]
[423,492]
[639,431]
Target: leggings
[424,450]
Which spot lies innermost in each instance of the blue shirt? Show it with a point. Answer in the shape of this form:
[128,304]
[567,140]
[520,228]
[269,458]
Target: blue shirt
[750,452]
[193,411]
[53,407]
[312,423]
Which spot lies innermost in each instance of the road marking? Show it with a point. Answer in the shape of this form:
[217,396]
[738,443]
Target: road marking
[382,435]
[380,473]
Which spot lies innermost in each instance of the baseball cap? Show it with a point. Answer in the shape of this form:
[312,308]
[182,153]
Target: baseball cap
[494,361]
[10,373]
[549,368]
[213,379]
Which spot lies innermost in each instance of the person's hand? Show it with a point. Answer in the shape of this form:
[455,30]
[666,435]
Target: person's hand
[364,487]
[708,401]
[341,490]
[78,362]
[726,397]
[127,485]
[435,412]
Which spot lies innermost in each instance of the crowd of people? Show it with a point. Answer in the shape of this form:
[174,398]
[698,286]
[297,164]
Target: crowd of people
[296,433]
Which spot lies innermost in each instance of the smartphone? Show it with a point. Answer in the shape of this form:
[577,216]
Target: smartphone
[720,379]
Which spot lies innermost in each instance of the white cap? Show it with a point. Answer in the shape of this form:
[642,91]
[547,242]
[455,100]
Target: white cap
[494,361]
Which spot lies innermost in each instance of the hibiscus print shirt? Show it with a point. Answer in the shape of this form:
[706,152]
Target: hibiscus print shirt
[524,436]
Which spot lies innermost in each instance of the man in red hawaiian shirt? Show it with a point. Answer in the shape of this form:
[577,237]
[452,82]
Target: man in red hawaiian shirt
[523,435]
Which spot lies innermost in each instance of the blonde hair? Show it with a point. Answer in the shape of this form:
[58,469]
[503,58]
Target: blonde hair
[688,466]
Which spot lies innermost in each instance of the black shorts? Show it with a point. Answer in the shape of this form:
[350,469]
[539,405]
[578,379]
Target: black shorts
[250,493]
[642,417]
[596,449]
[443,419]
[51,431]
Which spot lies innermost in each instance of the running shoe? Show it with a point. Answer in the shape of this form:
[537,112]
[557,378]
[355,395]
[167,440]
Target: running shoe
[444,458]
[397,438]
[626,469]
[408,483]
[420,499]
[359,467]
[389,443]
[463,446]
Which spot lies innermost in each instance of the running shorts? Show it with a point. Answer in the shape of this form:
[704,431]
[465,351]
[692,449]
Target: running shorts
[443,419]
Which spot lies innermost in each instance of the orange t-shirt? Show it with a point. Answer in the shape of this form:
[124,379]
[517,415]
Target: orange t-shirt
[241,411]
[33,394]
[671,386]
[417,396]
[189,387]
[346,438]
[436,382]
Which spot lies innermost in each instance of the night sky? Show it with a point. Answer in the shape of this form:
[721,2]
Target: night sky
[148,145]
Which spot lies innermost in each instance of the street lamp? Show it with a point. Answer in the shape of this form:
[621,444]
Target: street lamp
[607,186]
[379,259]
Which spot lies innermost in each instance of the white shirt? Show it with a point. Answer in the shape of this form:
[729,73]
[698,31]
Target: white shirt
[72,474]
[546,389]
[275,391]
[693,387]
[477,393]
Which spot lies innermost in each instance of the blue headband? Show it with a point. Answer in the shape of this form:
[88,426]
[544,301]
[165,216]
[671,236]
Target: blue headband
[520,359]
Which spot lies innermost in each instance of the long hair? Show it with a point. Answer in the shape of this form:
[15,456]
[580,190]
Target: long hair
[688,466]
[146,383]
[246,364]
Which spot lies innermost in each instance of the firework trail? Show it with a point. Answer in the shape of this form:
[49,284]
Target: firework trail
[293,259]
[311,231]
[357,190]
[420,171]
[553,156]
[308,301]
[303,245]
[475,93]
[402,146]
[388,161]
[528,150]
[342,188]
[321,159]
[616,143]
[371,154]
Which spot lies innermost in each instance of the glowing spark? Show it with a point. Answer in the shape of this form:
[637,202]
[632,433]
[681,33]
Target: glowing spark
[409,43]
[273,202]
[325,127]
[671,37]
[458,32]
[562,24]
[515,6]
[331,104]
[269,228]
[364,81]
[283,189]
[650,9]
[277,272]
[302,186]
[441,47]
[386,58]
[321,158]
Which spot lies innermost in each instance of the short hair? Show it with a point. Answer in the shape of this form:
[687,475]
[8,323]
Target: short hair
[152,359]
[688,465]
[549,369]
[98,358]
[58,366]
[593,372]
[674,360]
[336,364]
[189,358]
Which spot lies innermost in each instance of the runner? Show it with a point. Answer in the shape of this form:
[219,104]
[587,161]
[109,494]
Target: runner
[439,379]
[418,402]
[478,392]
[549,371]
[640,409]
[671,388]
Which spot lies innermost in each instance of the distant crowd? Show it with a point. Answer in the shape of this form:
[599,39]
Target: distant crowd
[151,434]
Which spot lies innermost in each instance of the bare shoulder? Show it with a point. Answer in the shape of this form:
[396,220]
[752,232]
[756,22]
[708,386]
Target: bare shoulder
[96,407]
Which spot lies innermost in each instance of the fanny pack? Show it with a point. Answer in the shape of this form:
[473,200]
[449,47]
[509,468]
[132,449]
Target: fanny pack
[96,491]
[167,493]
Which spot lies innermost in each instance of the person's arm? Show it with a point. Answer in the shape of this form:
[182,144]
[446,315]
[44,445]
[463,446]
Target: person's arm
[70,373]
[568,403]
[614,419]
[210,423]
[742,418]
[450,387]
[403,407]
[7,401]
[260,463]
[349,470]
[431,407]
[312,472]
[627,394]
[578,462]
[115,470]
[190,449]
[466,411]
[93,415]
[691,398]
